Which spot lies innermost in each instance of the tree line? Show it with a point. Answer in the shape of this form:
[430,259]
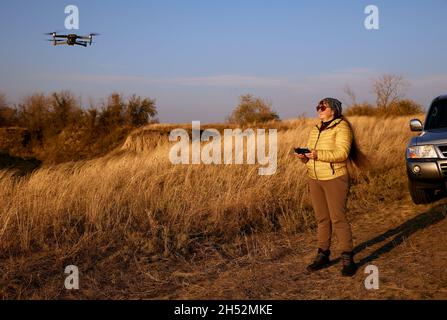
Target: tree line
[389,90]
[60,129]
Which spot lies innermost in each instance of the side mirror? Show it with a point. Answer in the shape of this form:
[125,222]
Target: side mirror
[415,125]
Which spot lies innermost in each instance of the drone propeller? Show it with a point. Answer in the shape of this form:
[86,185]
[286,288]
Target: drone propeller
[90,36]
[53,34]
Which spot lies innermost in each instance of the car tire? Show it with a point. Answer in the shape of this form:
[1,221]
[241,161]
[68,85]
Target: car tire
[419,195]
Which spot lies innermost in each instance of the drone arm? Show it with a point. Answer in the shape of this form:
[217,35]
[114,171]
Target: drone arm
[81,43]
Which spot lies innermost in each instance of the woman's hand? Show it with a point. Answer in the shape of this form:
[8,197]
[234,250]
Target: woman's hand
[294,154]
[302,157]
[313,154]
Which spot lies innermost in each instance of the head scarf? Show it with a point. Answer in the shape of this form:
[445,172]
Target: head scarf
[335,105]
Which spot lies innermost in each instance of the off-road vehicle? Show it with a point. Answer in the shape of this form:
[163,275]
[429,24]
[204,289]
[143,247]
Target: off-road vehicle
[427,155]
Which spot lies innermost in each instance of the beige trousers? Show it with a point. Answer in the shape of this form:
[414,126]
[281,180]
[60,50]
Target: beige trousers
[329,202]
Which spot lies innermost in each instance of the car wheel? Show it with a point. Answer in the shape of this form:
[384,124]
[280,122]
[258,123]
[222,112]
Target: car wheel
[421,196]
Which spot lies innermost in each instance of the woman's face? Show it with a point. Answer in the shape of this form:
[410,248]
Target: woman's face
[325,112]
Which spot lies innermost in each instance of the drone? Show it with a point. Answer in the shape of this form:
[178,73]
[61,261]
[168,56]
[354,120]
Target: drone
[71,39]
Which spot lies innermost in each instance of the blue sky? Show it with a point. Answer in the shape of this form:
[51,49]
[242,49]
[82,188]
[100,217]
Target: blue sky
[197,57]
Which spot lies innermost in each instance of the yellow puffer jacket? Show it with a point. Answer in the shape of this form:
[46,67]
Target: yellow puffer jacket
[333,145]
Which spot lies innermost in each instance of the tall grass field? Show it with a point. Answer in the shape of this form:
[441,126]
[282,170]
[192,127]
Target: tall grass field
[108,214]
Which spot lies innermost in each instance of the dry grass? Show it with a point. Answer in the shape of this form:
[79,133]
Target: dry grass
[113,212]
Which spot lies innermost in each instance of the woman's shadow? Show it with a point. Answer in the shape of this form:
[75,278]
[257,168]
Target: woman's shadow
[401,233]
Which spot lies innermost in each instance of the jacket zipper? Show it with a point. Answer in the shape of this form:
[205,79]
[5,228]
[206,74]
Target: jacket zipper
[319,132]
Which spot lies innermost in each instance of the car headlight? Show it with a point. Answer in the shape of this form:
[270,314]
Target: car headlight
[416,152]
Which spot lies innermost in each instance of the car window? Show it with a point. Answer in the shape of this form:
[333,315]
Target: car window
[437,116]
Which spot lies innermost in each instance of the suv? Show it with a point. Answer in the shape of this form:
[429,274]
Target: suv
[427,155]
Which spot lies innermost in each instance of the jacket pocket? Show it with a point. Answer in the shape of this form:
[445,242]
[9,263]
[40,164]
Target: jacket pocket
[338,165]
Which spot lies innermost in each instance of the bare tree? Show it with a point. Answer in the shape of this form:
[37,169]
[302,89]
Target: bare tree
[139,111]
[3,102]
[64,110]
[351,95]
[6,113]
[389,89]
[34,114]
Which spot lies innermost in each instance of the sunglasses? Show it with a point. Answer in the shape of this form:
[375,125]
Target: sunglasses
[321,107]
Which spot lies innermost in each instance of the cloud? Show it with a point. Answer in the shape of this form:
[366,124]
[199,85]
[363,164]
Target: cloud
[223,80]
[216,80]
[232,81]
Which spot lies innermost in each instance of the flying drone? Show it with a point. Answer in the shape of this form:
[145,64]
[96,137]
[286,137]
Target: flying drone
[71,39]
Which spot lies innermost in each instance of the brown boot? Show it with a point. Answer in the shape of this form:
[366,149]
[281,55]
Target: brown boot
[321,261]
[349,266]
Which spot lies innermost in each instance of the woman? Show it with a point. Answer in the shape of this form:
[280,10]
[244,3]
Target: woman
[331,144]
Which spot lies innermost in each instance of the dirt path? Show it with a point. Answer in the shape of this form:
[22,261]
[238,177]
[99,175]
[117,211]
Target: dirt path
[406,242]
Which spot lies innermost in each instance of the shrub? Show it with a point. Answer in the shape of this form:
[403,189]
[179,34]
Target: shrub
[404,107]
[363,109]
[252,110]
